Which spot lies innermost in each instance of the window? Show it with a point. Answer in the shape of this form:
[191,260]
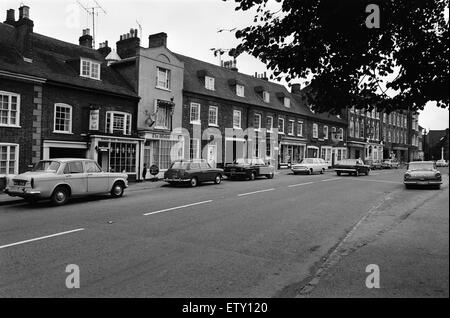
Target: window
[195,113]
[237,119]
[351,127]
[122,157]
[257,122]
[90,69]
[9,109]
[240,91]
[209,83]
[281,125]
[300,129]
[269,123]
[361,129]
[194,149]
[163,116]
[315,131]
[9,159]
[287,102]
[62,119]
[291,128]
[212,115]
[92,167]
[118,123]
[341,134]
[266,96]
[163,78]
[73,167]
[325,132]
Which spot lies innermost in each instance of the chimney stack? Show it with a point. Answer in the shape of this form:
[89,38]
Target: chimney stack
[157,40]
[24,27]
[295,89]
[129,44]
[86,39]
[10,17]
[104,49]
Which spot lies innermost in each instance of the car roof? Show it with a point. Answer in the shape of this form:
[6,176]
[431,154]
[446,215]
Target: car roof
[422,162]
[67,159]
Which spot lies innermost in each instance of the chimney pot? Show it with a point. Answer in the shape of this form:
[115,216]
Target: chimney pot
[86,39]
[24,12]
[10,17]
[295,89]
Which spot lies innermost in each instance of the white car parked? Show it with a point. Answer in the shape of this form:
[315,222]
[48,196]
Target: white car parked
[310,165]
[60,179]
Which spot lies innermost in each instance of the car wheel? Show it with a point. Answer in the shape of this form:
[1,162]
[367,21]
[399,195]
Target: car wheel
[194,182]
[310,171]
[407,186]
[356,174]
[218,179]
[367,172]
[338,173]
[60,196]
[252,176]
[117,190]
[270,176]
[322,171]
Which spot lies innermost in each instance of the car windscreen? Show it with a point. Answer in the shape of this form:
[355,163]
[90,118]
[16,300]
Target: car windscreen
[242,161]
[347,162]
[180,165]
[307,160]
[422,166]
[47,166]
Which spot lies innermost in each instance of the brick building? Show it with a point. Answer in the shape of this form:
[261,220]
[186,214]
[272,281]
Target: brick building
[62,100]
[396,135]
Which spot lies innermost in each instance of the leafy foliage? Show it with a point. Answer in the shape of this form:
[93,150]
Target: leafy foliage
[350,64]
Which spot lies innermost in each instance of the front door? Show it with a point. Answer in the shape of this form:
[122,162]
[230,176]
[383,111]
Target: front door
[97,180]
[212,155]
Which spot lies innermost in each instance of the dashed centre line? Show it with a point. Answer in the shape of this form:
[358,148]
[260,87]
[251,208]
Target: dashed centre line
[255,192]
[300,184]
[178,207]
[41,238]
[332,179]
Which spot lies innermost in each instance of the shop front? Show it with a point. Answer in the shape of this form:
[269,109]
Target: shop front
[117,154]
[291,151]
[158,149]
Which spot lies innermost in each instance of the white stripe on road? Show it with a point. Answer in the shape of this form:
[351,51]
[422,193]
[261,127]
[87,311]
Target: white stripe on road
[178,207]
[380,181]
[300,184]
[331,179]
[249,193]
[40,238]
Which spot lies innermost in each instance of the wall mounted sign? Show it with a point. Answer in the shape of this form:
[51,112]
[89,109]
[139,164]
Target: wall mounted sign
[94,119]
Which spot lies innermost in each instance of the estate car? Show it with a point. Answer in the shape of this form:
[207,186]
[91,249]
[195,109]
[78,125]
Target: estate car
[192,172]
[250,169]
[310,165]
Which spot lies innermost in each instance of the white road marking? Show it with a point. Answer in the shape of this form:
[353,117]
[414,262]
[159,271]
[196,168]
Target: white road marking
[178,207]
[380,181]
[254,192]
[331,179]
[40,238]
[300,184]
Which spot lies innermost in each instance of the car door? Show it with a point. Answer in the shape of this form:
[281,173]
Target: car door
[206,172]
[75,177]
[98,181]
[195,171]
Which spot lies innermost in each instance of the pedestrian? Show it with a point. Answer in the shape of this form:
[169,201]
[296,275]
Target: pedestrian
[144,171]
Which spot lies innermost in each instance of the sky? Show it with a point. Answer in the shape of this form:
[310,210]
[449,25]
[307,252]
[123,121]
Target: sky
[191,25]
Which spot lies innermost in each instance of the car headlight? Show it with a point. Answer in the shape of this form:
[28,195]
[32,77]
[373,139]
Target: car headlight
[438,175]
[407,176]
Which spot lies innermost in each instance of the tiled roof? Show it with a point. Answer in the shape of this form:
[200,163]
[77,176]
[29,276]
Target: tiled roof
[224,80]
[50,61]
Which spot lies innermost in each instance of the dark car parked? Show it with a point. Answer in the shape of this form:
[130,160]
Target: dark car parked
[192,172]
[249,169]
[352,167]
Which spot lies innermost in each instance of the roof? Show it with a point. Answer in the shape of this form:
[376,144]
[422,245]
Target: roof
[226,78]
[52,60]
[67,159]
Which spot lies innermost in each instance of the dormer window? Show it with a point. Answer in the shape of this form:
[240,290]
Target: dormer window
[287,102]
[240,90]
[266,96]
[90,69]
[209,83]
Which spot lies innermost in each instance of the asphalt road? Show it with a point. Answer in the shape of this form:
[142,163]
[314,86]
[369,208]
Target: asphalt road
[262,238]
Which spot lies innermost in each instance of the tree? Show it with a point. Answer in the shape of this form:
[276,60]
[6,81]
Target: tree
[350,62]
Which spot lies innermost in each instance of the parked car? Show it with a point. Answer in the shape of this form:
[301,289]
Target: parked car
[373,164]
[310,165]
[192,172]
[422,173]
[61,179]
[352,167]
[441,163]
[390,164]
[250,169]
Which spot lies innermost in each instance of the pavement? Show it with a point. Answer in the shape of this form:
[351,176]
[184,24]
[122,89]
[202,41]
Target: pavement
[283,237]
